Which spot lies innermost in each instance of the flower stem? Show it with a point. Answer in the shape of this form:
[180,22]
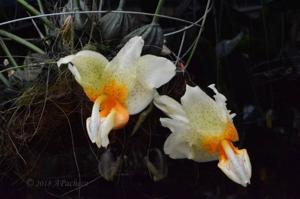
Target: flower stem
[157,11]
[21,41]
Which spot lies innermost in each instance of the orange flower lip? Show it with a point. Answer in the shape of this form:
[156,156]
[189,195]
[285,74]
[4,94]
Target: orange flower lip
[235,163]
[116,90]
[122,116]
[114,96]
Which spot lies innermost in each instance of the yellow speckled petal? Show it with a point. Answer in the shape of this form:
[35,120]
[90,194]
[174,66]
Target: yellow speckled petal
[221,103]
[87,67]
[90,66]
[202,111]
[178,144]
[123,66]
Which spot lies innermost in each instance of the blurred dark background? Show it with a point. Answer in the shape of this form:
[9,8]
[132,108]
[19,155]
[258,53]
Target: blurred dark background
[250,49]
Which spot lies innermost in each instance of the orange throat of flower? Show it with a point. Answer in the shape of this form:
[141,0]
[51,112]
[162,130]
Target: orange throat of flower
[121,112]
[224,146]
[112,96]
[212,143]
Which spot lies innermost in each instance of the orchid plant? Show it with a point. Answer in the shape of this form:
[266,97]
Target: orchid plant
[121,87]
[203,130]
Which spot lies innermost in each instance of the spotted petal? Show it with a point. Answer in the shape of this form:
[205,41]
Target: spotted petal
[179,145]
[87,67]
[202,111]
[122,68]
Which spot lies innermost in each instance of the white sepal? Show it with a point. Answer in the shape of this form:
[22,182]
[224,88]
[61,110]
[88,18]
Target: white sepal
[170,107]
[154,71]
[74,71]
[65,60]
[93,122]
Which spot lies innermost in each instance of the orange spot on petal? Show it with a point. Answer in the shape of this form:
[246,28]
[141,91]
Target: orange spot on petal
[211,143]
[111,88]
[115,90]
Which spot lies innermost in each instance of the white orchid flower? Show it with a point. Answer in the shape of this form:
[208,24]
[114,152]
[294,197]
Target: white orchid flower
[119,88]
[203,130]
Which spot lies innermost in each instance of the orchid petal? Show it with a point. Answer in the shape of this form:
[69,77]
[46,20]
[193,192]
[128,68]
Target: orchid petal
[155,71]
[74,72]
[65,60]
[90,65]
[139,98]
[128,55]
[122,68]
[221,103]
[107,125]
[176,146]
[87,67]
[202,111]
[170,107]
[180,143]
[93,124]
[92,134]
